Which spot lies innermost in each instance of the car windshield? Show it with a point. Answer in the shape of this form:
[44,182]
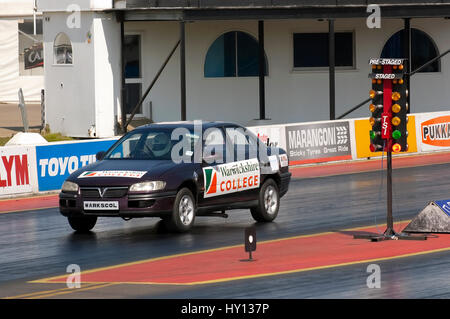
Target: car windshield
[152,144]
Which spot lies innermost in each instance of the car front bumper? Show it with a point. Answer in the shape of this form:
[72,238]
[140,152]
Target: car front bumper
[131,205]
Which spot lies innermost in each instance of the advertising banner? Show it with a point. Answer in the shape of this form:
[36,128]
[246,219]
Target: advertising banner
[318,142]
[363,128]
[270,135]
[434,131]
[57,161]
[17,170]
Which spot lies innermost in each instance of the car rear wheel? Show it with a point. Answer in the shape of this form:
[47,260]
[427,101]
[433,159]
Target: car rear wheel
[183,212]
[82,224]
[268,202]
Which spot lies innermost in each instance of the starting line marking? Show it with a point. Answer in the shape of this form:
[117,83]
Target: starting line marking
[277,257]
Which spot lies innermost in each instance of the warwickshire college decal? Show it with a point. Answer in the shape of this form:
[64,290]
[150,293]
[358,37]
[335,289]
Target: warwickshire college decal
[231,177]
[321,142]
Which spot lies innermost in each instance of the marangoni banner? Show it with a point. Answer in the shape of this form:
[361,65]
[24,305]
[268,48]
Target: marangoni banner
[435,131]
[319,142]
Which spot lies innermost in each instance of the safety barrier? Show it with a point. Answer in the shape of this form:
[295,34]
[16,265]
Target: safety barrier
[38,168]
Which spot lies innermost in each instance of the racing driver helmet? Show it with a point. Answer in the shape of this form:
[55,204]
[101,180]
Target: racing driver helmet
[160,144]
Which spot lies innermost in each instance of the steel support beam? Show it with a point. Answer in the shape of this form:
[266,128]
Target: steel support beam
[183,69]
[407,55]
[261,69]
[331,55]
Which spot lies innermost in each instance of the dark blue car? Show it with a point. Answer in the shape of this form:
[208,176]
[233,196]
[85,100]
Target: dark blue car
[177,171]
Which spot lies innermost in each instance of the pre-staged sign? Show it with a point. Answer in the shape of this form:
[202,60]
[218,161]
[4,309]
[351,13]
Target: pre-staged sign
[56,162]
[435,132]
[15,170]
[321,142]
[231,177]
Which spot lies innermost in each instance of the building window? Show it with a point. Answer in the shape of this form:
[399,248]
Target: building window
[133,72]
[62,49]
[311,50]
[233,54]
[423,50]
[31,55]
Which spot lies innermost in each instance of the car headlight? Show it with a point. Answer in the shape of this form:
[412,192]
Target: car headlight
[69,187]
[148,186]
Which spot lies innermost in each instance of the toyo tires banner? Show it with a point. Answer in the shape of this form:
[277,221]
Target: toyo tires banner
[56,161]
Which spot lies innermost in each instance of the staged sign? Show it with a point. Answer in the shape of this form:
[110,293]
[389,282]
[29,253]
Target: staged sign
[322,142]
[436,131]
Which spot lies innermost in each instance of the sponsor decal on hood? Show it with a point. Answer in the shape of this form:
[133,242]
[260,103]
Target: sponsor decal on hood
[129,174]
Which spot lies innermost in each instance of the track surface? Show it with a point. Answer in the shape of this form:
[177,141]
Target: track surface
[36,244]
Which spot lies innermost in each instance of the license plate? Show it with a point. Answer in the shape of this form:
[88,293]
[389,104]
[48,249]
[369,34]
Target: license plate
[111,205]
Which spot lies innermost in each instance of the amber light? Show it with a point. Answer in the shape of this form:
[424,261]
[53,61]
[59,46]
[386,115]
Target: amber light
[396,121]
[400,67]
[400,81]
[396,96]
[374,81]
[396,108]
[372,121]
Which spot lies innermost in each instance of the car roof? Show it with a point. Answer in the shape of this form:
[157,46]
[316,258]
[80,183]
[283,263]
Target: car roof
[186,124]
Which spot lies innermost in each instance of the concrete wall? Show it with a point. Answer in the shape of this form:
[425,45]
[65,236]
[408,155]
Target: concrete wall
[84,94]
[291,95]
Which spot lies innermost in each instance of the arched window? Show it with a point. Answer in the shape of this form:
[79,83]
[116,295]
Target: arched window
[423,50]
[232,54]
[62,49]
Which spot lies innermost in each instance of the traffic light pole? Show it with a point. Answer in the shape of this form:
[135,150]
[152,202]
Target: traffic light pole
[386,134]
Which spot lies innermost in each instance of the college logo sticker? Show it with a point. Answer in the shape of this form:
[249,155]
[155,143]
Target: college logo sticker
[231,177]
[436,131]
[129,174]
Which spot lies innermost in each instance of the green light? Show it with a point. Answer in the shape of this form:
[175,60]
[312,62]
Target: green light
[396,134]
[373,135]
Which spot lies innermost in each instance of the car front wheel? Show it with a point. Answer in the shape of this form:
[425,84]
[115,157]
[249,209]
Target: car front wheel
[183,212]
[82,224]
[268,202]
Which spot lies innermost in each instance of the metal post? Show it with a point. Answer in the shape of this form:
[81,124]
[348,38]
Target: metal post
[390,220]
[23,110]
[407,55]
[122,67]
[183,69]
[331,55]
[42,109]
[261,69]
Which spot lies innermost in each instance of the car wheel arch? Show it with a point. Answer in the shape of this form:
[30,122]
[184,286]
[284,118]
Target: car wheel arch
[192,186]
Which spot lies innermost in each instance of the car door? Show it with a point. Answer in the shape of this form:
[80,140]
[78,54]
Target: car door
[244,154]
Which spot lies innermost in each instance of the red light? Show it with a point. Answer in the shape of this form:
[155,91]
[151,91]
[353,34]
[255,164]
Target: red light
[396,148]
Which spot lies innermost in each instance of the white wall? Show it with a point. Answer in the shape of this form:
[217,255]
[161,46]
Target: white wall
[291,96]
[62,5]
[83,94]
[10,78]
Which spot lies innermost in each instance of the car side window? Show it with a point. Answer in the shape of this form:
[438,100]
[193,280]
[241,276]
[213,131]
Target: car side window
[242,143]
[214,146]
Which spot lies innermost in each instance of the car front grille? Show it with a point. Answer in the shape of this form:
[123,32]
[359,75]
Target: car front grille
[107,192]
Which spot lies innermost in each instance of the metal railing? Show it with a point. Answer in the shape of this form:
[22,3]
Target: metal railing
[411,74]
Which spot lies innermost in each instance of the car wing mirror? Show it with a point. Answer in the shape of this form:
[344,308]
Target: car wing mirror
[100,155]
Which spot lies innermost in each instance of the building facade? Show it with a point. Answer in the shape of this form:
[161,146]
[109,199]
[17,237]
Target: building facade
[105,69]
[20,51]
